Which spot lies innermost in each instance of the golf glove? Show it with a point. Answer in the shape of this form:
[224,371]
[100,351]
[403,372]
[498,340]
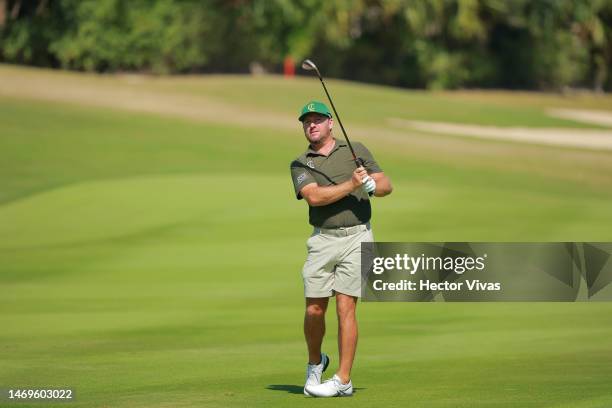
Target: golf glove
[369,185]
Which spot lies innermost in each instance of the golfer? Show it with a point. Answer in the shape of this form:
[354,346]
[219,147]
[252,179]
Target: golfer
[339,209]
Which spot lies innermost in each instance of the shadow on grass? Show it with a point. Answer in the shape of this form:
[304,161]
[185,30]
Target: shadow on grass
[296,389]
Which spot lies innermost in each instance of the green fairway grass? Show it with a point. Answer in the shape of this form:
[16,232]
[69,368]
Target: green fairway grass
[154,261]
[369,104]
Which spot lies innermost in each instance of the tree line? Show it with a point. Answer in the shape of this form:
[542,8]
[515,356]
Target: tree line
[435,44]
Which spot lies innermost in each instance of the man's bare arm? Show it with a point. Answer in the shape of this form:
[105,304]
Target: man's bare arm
[383,184]
[317,196]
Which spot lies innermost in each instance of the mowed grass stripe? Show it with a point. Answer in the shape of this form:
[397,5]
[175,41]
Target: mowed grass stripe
[274,94]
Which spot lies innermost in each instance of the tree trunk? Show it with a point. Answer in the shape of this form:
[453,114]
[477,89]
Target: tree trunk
[3,6]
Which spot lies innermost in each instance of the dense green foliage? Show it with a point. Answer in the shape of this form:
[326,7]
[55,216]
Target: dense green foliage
[542,44]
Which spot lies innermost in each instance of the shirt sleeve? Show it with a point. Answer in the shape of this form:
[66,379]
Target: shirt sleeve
[369,163]
[301,176]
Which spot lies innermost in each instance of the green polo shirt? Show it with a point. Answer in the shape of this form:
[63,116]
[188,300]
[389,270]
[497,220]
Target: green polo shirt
[335,168]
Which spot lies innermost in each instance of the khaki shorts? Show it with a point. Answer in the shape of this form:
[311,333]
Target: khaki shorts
[334,261]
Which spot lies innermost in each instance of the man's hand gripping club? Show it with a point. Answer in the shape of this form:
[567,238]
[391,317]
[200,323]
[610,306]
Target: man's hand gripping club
[323,195]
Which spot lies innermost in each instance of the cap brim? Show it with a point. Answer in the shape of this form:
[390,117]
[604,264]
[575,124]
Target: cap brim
[301,118]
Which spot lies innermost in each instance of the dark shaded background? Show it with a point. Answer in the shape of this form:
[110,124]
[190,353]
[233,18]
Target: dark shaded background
[519,44]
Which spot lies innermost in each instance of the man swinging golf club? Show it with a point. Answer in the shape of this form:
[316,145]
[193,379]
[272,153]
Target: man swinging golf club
[335,178]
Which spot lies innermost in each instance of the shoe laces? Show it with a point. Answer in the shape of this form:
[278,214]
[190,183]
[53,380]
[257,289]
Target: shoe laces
[338,383]
[315,371]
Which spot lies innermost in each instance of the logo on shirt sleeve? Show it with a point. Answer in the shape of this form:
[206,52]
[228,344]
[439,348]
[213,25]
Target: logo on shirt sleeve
[301,178]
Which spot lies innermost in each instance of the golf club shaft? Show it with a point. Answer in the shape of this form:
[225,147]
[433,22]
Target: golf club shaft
[357,162]
[309,65]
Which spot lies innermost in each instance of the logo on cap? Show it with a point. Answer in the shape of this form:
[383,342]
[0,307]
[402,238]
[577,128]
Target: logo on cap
[311,107]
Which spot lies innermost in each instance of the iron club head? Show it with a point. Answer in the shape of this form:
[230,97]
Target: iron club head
[308,65]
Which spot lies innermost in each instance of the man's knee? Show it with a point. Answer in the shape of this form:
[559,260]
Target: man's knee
[316,308]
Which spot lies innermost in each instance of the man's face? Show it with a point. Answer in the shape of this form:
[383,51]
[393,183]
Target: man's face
[317,127]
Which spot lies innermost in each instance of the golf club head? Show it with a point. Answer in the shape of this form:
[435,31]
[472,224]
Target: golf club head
[308,65]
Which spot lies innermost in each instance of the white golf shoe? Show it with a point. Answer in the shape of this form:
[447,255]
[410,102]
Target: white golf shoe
[330,388]
[315,371]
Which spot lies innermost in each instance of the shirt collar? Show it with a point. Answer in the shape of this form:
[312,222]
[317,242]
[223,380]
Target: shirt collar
[339,144]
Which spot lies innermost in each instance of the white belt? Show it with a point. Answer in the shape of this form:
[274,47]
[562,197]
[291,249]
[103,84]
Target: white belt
[343,231]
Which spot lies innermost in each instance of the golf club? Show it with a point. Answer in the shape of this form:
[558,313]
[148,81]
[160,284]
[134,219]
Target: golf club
[308,65]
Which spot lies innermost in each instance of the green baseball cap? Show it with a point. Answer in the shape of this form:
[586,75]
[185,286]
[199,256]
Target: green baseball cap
[315,107]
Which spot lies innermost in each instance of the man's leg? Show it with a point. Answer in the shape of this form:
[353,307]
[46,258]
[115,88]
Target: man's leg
[314,327]
[347,334]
